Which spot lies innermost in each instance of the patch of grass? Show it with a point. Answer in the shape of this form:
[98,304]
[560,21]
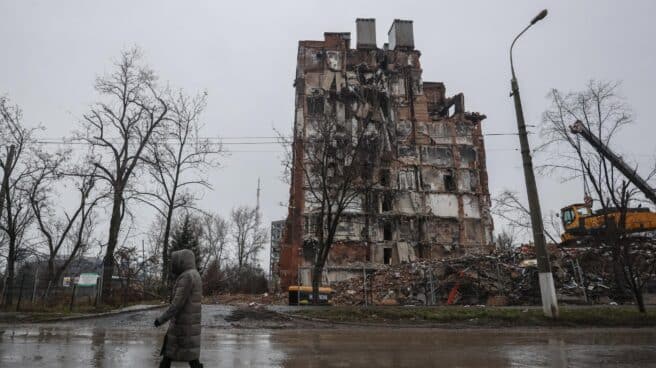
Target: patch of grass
[38,312]
[486,317]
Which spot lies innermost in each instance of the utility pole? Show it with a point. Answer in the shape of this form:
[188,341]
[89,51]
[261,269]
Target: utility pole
[547,288]
[257,217]
[257,206]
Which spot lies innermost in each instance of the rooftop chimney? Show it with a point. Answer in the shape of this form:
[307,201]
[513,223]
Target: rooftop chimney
[337,39]
[401,35]
[366,33]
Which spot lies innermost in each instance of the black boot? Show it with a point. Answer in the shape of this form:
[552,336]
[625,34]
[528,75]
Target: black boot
[195,364]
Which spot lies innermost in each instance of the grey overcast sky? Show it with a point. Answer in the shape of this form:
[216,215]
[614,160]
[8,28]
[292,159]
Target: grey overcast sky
[243,54]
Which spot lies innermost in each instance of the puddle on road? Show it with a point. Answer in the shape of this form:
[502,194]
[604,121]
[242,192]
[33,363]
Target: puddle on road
[93,346]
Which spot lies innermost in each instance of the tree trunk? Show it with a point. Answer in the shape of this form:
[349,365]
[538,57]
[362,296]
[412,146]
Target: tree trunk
[58,274]
[51,277]
[240,257]
[165,249]
[620,285]
[637,293]
[9,280]
[51,274]
[166,275]
[108,261]
[317,270]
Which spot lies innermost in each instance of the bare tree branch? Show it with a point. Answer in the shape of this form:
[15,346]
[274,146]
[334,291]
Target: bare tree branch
[119,130]
[178,161]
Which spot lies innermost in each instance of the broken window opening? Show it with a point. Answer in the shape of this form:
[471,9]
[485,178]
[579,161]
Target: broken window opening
[387,231]
[467,156]
[421,251]
[463,130]
[309,249]
[387,202]
[366,172]
[385,177]
[407,179]
[384,107]
[473,181]
[449,183]
[437,155]
[315,105]
[341,129]
[387,256]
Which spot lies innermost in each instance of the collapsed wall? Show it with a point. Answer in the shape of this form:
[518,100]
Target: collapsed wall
[431,199]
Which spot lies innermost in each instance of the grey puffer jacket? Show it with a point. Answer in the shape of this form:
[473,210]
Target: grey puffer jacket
[183,335]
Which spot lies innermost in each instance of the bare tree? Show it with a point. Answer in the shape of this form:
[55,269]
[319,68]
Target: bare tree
[128,268]
[16,217]
[214,239]
[635,256]
[177,163]
[604,113]
[632,254]
[505,241]
[118,131]
[510,208]
[338,171]
[248,235]
[70,230]
[154,236]
[152,239]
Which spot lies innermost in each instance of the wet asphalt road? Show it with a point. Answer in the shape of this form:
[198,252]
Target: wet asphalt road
[130,341]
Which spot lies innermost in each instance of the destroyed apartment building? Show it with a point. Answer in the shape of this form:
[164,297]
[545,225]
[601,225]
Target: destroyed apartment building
[431,198]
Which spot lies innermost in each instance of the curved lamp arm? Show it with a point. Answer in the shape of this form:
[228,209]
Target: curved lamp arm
[536,19]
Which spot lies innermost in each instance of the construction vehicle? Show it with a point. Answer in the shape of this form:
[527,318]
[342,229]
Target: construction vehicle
[581,223]
[302,295]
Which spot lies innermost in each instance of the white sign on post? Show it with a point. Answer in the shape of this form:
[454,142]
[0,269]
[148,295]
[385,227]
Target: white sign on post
[88,279]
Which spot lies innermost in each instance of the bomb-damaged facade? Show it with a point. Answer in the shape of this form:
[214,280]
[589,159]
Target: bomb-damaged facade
[431,197]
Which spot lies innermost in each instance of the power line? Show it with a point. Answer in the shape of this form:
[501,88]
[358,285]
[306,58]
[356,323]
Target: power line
[261,141]
[62,141]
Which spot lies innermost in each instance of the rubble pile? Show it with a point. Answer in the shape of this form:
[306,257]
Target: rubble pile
[472,280]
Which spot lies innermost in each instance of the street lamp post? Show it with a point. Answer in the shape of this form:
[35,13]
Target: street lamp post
[547,289]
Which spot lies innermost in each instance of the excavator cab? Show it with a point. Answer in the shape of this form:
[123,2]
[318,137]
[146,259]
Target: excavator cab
[572,214]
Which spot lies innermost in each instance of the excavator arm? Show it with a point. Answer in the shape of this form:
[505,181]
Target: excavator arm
[579,128]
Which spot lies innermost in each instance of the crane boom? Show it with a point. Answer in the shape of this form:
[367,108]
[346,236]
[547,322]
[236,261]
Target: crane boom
[579,128]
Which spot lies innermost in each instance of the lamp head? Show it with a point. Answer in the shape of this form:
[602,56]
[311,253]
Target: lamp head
[539,17]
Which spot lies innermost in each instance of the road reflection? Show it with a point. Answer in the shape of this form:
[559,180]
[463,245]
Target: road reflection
[65,345]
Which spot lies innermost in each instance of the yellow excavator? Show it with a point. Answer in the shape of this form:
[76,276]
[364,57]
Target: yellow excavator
[579,221]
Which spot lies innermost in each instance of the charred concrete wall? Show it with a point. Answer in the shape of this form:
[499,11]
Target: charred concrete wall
[432,198]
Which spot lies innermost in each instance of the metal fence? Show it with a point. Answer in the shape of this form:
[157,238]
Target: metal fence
[33,290]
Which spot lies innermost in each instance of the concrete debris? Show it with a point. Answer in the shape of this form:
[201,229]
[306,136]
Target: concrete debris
[494,280]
